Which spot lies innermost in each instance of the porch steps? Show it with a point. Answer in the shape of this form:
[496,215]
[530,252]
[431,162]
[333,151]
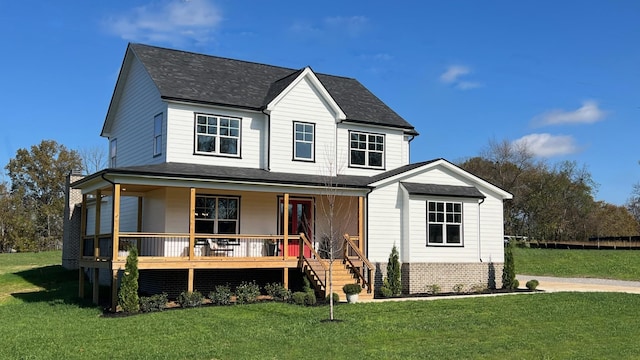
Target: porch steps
[341,276]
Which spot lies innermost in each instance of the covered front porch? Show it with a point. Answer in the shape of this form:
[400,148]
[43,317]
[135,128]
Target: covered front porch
[220,226]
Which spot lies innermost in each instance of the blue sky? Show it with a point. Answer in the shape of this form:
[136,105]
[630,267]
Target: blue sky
[562,76]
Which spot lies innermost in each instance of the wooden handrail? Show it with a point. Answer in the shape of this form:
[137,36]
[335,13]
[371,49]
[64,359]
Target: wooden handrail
[369,267]
[211,236]
[303,259]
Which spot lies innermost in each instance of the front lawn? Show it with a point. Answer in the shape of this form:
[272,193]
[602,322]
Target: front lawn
[45,321]
[605,264]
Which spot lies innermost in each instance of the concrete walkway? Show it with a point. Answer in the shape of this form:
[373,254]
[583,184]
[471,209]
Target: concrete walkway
[555,284]
[548,284]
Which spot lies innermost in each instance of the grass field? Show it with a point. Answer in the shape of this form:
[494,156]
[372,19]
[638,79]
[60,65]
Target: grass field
[42,319]
[605,264]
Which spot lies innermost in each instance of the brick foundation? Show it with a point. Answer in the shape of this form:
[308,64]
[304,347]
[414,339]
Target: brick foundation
[416,277]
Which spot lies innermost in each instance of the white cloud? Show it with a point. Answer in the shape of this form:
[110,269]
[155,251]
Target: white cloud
[467,85]
[173,21]
[547,145]
[453,76]
[453,72]
[334,27]
[587,114]
[352,25]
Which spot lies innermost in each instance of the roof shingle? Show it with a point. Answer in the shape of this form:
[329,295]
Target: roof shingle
[206,79]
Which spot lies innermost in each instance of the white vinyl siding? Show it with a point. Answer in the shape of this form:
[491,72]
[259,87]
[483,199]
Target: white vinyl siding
[139,103]
[395,151]
[303,103]
[443,254]
[181,136]
[396,217]
[384,221]
[128,215]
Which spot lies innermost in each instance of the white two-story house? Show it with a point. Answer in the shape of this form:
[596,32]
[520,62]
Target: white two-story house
[223,170]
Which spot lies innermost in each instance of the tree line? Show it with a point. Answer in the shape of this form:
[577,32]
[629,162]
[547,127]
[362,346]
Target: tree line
[551,201]
[32,200]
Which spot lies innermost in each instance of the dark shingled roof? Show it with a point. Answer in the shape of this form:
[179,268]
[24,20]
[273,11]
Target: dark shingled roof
[213,172]
[443,190]
[206,79]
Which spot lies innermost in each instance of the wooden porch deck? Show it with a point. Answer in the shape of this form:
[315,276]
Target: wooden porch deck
[228,251]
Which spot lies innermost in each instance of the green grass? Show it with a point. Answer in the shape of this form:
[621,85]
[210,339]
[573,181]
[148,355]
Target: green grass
[605,264]
[45,321]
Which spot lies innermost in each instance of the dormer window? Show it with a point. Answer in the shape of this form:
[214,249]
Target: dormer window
[303,141]
[366,150]
[217,135]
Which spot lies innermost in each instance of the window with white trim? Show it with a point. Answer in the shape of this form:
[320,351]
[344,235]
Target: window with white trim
[303,141]
[217,214]
[157,134]
[112,153]
[366,150]
[219,135]
[444,223]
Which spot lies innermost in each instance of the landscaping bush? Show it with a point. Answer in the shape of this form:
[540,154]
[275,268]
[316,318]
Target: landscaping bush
[128,294]
[336,298]
[277,292]
[153,303]
[247,292]
[478,288]
[458,288]
[221,295]
[509,273]
[299,297]
[385,291]
[433,289]
[190,299]
[310,298]
[393,273]
[532,284]
[351,289]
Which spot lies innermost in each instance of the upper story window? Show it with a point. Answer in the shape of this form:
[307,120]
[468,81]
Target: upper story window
[444,223]
[112,153]
[157,134]
[366,150]
[219,135]
[303,141]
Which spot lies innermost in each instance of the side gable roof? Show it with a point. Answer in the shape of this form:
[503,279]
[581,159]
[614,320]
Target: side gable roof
[405,173]
[198,78]
[443,190]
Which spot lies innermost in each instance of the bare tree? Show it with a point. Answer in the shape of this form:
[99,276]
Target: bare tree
[94,159]
[337,214]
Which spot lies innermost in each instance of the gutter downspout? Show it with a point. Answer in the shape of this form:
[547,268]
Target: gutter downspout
[479,237]
[366,221]
[409,148]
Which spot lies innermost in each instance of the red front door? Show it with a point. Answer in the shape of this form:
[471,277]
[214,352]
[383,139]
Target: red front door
[300,221]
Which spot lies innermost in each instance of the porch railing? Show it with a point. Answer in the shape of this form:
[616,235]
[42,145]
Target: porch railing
[313,265]
[355,259]
[206,246]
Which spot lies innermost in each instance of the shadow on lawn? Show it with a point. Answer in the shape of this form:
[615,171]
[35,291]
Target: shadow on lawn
[60,286]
